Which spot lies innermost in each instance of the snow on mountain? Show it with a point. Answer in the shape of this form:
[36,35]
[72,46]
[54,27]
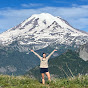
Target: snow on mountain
[41,30]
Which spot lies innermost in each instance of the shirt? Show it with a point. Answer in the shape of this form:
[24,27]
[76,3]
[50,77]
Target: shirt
[43,63]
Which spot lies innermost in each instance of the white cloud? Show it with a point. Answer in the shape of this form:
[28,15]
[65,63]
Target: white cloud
[32,5]
[77,16]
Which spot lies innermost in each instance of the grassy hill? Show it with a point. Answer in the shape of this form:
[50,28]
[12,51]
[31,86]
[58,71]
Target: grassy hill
[7,81]
[65,65]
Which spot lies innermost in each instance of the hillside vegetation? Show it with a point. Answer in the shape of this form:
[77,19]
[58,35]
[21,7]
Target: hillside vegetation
[7,81]
[14,62]
[65,65]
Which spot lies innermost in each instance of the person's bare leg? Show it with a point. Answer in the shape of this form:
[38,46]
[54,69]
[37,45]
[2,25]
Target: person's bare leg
[48,75]
[43,80]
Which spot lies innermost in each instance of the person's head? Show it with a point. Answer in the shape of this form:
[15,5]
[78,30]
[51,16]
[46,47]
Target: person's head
[44,55]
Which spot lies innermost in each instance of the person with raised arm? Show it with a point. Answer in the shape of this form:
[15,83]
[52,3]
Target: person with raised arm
[44,64]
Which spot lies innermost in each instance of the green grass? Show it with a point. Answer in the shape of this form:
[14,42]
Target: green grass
[7,81]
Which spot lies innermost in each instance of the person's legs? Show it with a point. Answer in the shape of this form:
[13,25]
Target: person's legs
[48,75]
[43,80]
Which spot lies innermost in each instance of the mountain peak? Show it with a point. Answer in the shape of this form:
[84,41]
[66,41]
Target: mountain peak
[43,15]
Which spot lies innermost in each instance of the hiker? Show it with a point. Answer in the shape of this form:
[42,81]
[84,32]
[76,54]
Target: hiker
[44,64]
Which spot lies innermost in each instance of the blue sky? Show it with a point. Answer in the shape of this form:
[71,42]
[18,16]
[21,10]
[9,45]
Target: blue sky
[13,12]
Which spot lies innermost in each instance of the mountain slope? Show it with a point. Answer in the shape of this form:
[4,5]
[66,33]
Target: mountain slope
[84,52]
[65,65]
[14,62]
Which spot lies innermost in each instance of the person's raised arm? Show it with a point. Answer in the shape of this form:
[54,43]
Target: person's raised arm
[36,54]
[51,53]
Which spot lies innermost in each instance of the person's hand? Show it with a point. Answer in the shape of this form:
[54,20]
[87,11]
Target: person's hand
[55,50]
[32,50]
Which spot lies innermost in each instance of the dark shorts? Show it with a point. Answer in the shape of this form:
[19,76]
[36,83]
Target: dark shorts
[43,70]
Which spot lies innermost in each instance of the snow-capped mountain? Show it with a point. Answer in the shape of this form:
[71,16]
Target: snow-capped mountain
[41,30]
